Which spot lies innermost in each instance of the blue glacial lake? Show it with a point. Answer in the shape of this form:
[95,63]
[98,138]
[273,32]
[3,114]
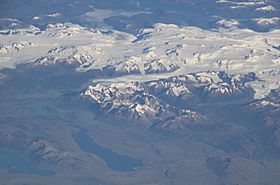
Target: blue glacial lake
[15,162]
[113,160]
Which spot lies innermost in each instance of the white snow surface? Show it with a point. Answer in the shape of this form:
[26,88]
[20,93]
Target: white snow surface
[158,52]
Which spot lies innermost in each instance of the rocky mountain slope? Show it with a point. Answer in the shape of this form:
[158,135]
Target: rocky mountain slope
[166,103]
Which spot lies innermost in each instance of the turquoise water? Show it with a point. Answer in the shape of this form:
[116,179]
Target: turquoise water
[114,160]
[15,162]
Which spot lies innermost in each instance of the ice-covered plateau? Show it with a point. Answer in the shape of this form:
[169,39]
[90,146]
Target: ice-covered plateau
[164,48]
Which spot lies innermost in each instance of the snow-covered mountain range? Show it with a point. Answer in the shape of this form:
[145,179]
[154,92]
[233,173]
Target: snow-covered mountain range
[186,90]
[157,50]
[166,102]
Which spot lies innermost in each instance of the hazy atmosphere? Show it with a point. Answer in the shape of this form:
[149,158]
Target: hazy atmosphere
[139,92]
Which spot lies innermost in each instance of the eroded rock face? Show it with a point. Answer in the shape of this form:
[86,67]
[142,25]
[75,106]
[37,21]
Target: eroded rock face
[268,107]
[267,110]
[218,165]
[41,150]
[50,155]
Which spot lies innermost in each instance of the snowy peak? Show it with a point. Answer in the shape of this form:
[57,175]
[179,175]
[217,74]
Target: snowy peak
[132,102]
[208,86]
[14,46]
[165,103]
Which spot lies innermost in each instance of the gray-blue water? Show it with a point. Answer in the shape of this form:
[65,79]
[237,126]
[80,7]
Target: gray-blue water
[113,160]
[15,162]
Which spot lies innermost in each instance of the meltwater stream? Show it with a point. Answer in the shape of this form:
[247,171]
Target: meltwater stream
[114,160]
